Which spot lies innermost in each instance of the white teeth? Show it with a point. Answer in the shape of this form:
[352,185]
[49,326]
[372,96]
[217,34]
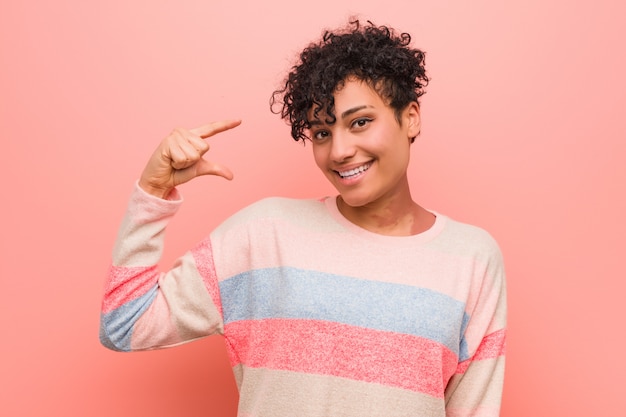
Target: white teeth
[354,171]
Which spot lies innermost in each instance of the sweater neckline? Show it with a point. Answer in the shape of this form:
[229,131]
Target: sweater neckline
[425,236]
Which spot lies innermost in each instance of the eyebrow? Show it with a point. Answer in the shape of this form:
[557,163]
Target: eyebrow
[317,122]
[352,111]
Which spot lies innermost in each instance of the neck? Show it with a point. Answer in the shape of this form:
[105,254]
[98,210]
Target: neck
[397,215]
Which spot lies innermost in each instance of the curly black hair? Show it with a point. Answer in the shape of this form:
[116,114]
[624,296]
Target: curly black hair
[374,54]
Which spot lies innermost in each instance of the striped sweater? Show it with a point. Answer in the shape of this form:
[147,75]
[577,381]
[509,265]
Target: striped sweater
[320,317]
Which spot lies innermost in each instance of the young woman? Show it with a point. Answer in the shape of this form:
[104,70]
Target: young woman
[360,304]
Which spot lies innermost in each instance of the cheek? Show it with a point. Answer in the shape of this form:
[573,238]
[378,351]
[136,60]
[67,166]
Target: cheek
[403,159]
[319,156]
[396,149]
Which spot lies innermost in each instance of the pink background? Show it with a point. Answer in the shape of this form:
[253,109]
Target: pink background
[523,134]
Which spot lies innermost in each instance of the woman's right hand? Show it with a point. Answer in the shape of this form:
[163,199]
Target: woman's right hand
[178,159]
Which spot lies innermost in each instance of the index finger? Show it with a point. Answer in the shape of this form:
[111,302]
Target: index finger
[213,128]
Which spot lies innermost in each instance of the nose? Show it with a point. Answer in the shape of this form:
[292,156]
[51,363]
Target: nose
[342,147]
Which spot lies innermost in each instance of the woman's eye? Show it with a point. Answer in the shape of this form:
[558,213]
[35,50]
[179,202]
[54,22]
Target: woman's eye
[320,135]
[361,122]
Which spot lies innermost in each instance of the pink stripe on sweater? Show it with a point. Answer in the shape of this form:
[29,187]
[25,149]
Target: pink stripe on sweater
[126,284]
[328,348]
[203,258]
[491,347]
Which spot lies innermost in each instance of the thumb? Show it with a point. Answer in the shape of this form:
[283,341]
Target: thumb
[204,167]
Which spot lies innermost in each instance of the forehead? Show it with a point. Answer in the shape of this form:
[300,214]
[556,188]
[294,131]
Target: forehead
[351,94]
[354,91]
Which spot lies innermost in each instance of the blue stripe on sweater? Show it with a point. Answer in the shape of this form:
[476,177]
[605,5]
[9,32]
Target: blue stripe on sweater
[302,294]
[116,327]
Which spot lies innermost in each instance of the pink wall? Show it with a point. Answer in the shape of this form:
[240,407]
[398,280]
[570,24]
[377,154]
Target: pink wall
[524,134]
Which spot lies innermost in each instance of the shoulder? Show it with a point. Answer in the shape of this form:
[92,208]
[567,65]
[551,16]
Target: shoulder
[475,249]
[468,239]
[280,206]
[277,210]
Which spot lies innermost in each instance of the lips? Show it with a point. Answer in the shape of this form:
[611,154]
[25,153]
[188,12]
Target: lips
[354,171]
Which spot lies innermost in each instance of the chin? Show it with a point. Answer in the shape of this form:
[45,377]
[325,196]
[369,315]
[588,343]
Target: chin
[355,201]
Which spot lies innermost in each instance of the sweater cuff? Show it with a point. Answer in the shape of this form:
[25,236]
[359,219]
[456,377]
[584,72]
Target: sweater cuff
[151,208]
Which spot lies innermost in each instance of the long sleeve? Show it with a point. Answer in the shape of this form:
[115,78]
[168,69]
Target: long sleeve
[321,317]
[144,308]
[476,387]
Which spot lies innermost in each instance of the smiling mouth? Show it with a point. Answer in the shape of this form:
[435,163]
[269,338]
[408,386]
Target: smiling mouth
[354,172]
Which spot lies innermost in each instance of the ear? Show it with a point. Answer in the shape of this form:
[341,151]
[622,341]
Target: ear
[414,120]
